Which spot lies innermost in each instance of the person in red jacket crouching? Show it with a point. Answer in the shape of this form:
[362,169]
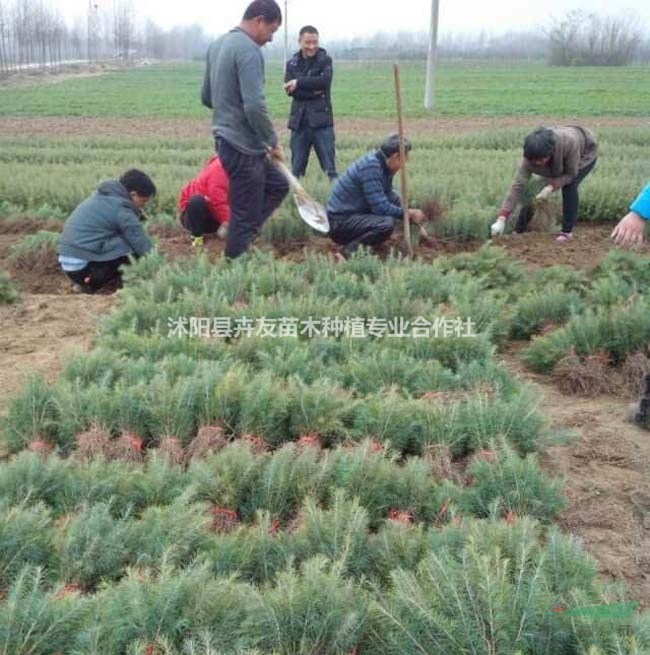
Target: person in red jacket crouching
[203,204]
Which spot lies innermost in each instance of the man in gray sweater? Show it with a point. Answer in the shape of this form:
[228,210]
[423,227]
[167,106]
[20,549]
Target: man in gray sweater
[244,135]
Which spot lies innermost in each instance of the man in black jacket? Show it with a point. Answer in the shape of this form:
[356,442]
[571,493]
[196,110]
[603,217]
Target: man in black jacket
[308,79]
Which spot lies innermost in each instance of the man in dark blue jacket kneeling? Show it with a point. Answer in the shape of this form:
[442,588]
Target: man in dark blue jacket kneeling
[104,230]
[363,208]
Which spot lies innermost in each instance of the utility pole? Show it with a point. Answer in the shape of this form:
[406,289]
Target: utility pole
[430,90]
[402,158]
[92,30]
[89,29]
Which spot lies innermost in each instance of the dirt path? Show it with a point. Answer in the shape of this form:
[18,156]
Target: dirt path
[69,71]
[192,128]
[607,476]
[40,332]
[589,246]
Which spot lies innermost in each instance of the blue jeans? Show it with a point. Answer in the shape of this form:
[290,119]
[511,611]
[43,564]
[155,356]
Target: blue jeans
[322,140]
[257,188]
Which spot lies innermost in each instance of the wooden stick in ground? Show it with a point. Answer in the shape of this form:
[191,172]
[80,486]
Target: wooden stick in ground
[402,156]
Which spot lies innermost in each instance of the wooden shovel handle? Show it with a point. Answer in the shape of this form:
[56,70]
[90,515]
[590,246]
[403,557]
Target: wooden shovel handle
[402,154]
[294,184]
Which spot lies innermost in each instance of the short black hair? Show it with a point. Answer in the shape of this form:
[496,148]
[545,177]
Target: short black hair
[390,145]
[539,144]
[141,183]
[307,29]
[269,10]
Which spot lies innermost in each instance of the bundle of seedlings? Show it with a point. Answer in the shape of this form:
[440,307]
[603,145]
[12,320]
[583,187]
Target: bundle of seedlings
[26,538]
[634,372]
[504,484]
[465,223]
[542,310]
[536,214]
[617,331]
[93,443]
[434,213]
[587,376]
[36,252]
[8,290]
[170,449]
[544,216]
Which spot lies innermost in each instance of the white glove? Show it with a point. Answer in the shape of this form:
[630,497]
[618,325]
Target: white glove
[545,193]
[497,228]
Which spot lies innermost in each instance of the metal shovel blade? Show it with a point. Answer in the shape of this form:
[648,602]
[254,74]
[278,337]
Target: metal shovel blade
[310,211]
[313,213]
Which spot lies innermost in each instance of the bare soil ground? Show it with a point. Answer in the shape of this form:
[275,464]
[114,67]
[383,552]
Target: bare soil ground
[181,128]
[607,477]
[32,76]
[589,246]
[40,332]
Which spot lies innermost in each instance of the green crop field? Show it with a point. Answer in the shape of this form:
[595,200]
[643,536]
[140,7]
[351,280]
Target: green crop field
[363,90]
[468,175]
[207,480]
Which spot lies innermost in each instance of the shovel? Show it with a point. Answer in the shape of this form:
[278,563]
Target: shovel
[312,212]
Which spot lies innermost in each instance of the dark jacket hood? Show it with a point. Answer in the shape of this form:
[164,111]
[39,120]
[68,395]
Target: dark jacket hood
[113,188]
[104,227]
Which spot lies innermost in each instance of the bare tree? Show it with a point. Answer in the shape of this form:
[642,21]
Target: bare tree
[21,33]
[34,35]
[123,28]
[154,41]
[4,46]
[75,41]
[581,39]
[41,28]
[58,34]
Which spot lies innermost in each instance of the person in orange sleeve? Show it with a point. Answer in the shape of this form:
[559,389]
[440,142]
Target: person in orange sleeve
[204,205]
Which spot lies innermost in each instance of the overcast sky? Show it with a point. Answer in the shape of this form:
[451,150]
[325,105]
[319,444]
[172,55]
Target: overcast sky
[349,18]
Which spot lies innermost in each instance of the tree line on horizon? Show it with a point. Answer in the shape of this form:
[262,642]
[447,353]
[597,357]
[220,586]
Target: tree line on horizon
[35,35]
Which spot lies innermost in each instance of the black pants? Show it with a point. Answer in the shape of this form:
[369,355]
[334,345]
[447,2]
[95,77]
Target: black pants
[322,140]
[642,417]
[352,231]
[97,274]
[197,217]
[570,203]
[257,189]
